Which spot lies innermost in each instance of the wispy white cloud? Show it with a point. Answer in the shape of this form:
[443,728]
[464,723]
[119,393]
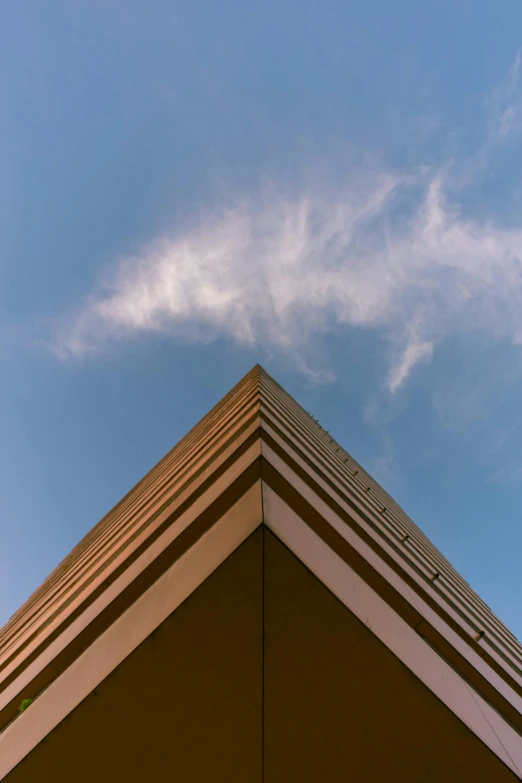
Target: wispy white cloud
[502,123]
[279,270]
[388,252]
[412,354]
[508,475]
[508,121]
[506,101]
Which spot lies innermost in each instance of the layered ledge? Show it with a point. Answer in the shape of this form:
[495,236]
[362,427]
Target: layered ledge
[258,608]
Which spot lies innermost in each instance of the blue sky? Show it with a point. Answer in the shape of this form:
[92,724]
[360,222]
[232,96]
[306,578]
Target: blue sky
[332,189]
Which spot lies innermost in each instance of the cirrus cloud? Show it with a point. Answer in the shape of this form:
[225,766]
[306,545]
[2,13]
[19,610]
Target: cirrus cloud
[392,256]
[391,251]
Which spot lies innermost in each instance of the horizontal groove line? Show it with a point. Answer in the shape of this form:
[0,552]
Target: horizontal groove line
[416,586]
[141,583]
[479,607]
[146,523]
[332,538]
[100,528]
[66,573]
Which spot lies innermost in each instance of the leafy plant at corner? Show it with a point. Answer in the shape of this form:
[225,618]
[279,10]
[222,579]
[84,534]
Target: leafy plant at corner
[25,704]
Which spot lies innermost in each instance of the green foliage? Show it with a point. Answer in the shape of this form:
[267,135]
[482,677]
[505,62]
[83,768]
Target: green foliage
[25,704]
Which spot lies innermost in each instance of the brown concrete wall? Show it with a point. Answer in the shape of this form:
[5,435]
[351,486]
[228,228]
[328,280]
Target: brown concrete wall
[340,707]
[98,581]
[185,706]
[261,675]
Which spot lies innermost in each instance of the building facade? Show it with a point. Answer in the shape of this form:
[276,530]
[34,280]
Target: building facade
[258,609]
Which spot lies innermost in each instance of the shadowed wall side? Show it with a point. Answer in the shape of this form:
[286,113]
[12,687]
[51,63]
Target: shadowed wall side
[340,706]
[185,705]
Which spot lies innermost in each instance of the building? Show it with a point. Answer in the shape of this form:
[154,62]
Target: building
[257,609]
